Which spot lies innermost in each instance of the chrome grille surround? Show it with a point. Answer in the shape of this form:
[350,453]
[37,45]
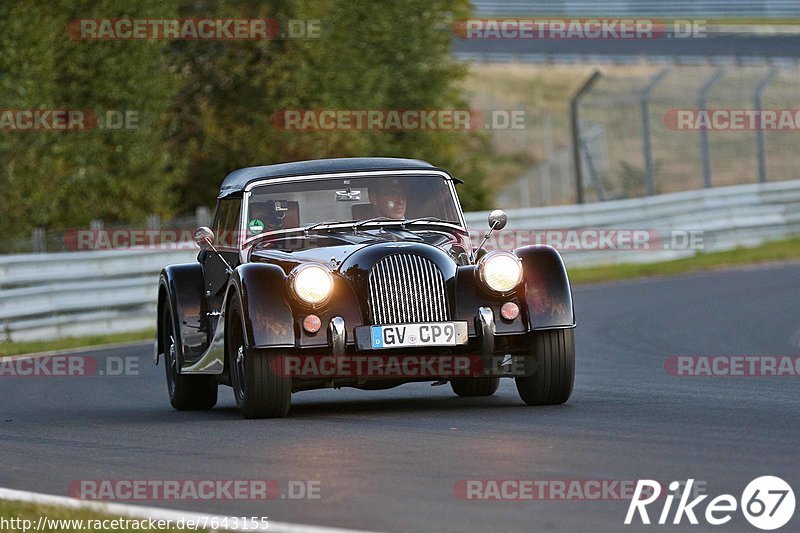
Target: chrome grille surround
[406,288]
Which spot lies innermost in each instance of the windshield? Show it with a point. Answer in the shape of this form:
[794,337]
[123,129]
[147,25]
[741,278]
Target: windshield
[303,203]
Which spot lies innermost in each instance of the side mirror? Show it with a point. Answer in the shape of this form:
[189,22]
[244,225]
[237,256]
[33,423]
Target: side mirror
[498,219]
[204,238]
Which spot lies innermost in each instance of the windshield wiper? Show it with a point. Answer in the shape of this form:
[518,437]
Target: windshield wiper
[377,219]
[401,221]
[426,219]
[318,224]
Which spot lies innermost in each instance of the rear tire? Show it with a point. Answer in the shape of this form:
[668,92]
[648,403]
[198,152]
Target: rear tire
[259,391]
[186,392]
[472,387]
[553,352]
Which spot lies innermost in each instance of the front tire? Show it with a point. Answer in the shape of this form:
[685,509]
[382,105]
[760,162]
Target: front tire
[259,391]
[472,387]
[186,392]
[553,353]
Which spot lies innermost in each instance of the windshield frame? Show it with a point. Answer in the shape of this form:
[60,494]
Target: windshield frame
[248,191]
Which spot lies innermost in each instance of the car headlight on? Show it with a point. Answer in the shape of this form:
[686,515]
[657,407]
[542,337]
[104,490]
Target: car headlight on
[311,284]
[500,271]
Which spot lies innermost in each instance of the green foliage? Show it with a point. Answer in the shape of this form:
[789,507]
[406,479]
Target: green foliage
[63,519]
[63,179]
[206,107]
[769,252]
[395,57]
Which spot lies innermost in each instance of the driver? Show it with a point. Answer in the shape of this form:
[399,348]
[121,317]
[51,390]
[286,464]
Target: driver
[388,199]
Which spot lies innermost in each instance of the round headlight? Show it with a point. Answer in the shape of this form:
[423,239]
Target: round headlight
[311,284]
[500,271]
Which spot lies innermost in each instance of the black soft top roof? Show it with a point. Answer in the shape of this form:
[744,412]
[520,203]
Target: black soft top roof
[237,180]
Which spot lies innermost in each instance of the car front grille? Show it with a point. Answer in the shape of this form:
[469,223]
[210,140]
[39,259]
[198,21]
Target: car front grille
[405,288]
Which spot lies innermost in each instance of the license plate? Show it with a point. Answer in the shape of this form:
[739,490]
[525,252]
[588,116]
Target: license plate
[410,335]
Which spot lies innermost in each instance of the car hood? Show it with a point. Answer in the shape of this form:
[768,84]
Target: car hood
[336,248]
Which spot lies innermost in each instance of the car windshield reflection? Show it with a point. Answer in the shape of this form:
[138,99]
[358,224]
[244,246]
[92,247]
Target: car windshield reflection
[313,204]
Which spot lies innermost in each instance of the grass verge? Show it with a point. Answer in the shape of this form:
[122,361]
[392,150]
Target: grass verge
[771,252]
[21,516]
[16,348]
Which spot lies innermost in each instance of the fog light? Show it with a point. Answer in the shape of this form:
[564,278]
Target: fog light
[312,323]
[509,311]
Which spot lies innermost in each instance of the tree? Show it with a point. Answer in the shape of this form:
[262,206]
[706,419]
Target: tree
[206,107]
[63,179]
[395,57]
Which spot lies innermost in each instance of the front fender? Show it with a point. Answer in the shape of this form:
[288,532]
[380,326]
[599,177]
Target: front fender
[547,290]
[181,292]
[266,308]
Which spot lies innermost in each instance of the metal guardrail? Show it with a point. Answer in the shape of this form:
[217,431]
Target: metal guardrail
[81,293]
[55,295]
[680,9]
[725,218]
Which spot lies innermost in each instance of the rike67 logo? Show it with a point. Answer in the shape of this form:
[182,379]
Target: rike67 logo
[767,503]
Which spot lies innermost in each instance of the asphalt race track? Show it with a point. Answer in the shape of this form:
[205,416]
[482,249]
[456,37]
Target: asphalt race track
[389,460]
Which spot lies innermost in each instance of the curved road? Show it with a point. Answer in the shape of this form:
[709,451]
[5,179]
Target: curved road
[389,460]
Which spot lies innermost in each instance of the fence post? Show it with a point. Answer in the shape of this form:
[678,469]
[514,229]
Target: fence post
[758,94]
[647,144]
[153,222]
[702,104]
[597,181]
[38,245]
[576,133]
[202,216]
[547,177]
